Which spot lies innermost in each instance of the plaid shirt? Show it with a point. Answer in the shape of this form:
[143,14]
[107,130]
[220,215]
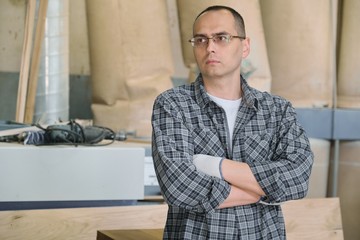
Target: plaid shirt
[266,136]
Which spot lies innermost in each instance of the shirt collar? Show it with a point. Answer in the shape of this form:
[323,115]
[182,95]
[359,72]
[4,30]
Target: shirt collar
[248,96]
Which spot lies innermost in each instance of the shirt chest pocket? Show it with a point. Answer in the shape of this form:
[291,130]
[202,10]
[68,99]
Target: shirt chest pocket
[256,147]
[206,141]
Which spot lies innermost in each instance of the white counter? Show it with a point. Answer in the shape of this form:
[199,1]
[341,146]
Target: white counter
[66,173]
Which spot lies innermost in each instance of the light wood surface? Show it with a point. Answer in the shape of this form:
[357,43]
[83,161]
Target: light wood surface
[313,219]
[35,62]
[305,219]
[16,131]
[148,234]
[78,223]
[25,60]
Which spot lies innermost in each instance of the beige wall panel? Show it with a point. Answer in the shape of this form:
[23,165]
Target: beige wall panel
[133,114]
[180,70]
[256,64]
[348,188]
[127,40]
[12,21]
[320,170]
[299,37]
[79,44]
[78,38]
[130,59]
[117,115]
[349,57]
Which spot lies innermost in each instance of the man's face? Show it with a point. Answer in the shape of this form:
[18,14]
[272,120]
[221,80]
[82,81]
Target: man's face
[215,60]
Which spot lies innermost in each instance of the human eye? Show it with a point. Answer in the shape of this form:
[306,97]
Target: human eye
[222,38]
[200,40]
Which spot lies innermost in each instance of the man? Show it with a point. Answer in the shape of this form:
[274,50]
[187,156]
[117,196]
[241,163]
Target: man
[226,155]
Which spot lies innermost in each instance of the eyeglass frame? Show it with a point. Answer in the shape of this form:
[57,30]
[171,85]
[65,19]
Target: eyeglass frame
[230,37]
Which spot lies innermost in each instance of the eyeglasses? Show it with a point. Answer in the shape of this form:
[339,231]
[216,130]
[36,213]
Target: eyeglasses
[219,39]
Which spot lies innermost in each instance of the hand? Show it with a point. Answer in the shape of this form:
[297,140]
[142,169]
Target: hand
[208,164]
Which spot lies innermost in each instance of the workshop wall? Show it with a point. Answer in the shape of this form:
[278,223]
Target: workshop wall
[295,55]
[12,18]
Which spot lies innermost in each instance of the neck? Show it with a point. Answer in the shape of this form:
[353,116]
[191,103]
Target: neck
[229,89]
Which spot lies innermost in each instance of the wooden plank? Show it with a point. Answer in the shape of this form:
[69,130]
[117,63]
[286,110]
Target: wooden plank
[35,62]
[78,223]
[310,219]
[148,234]
[318,219]
[25,60]
[313,219]
[16,131]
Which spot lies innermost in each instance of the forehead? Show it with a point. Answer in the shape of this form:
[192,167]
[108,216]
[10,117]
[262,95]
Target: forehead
[214,22]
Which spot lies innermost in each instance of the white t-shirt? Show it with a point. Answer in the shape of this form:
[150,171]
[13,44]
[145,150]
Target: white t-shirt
[231,108]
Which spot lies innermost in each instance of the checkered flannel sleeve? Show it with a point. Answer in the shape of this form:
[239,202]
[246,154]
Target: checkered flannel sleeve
[286,176]
[172,146]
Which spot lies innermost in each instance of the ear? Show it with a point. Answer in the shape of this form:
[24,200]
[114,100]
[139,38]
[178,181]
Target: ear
[246,47]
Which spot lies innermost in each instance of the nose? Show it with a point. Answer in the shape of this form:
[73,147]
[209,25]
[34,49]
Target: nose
[211,46]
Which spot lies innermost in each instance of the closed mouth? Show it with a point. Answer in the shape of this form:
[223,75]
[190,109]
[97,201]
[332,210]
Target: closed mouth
[212,61]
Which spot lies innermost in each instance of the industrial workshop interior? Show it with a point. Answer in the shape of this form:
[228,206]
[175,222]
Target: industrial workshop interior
[87,73]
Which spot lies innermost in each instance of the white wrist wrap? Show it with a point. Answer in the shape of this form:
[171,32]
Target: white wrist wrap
[208,164]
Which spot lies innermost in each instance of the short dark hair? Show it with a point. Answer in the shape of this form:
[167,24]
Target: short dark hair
[239,21]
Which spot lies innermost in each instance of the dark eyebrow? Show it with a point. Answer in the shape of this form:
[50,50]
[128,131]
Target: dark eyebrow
[199,35]
[215,34]
[222,33]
